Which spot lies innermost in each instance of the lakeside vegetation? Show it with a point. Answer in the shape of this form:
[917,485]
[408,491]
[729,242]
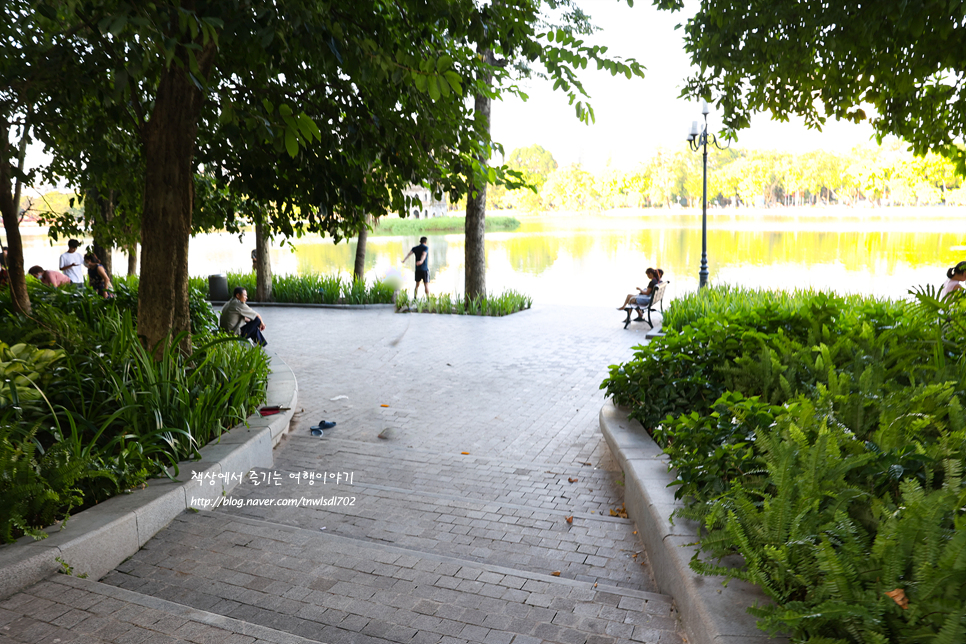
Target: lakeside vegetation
[883,175]
[86,412]
[436,225]
[823,439]
[505,303]
[311,288]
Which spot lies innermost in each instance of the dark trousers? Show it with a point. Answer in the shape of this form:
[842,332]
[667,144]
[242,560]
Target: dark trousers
[252,332]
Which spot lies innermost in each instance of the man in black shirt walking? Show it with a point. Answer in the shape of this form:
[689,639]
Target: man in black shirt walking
[422,265]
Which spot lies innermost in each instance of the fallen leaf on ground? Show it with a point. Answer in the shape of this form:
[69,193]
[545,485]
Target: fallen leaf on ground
[619,512]
[555,573]
[595,584]
[570,519]
[465,453]
[383,405]
[572,480]
[635,532]
[899,596]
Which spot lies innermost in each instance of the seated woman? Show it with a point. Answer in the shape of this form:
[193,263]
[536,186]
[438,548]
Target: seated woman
[643,296]
[99,279]
[956,276]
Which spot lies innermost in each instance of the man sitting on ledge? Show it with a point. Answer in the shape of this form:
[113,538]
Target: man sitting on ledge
[239,318]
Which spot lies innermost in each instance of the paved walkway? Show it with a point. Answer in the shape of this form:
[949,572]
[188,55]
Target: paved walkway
[474,501]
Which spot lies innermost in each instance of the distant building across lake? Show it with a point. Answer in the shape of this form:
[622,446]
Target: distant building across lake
[430,207]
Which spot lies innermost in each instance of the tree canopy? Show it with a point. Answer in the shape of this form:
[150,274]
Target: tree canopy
[318,113]
[829,59]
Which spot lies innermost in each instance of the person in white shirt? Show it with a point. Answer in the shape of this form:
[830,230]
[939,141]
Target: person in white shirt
[72,263]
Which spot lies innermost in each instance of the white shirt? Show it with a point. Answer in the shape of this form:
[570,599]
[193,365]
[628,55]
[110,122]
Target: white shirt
[75,273]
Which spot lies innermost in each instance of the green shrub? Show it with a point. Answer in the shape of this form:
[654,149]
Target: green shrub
[491,305]
[86,412]
[317,289]
[822,439]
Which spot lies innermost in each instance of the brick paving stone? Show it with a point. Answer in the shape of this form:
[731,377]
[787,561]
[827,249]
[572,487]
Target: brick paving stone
[448,531]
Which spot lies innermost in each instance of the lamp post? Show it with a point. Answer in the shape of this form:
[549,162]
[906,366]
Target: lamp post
[696,141]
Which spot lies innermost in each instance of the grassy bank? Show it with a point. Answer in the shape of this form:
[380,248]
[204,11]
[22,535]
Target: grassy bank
[394,226]
[87,413]
[823,439]
[492,305]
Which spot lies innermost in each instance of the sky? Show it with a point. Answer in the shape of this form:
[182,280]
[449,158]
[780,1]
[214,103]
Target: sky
[636,117]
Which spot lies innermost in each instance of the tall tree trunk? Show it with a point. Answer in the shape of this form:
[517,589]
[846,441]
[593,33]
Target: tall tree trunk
[263,264]
[10,208]
[103,215]
[475,262]
[359,270]
[169,145]
[132,259]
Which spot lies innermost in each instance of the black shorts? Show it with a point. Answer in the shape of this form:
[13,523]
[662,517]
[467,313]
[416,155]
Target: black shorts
[422,276]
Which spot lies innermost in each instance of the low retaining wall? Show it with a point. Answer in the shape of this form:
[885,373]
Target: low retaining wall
[710,612]
[97,540]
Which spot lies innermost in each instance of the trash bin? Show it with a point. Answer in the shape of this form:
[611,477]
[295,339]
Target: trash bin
[218,288]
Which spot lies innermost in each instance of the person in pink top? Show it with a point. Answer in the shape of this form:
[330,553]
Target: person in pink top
[53,278]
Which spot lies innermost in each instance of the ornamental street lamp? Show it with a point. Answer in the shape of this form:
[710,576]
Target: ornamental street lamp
[696,141]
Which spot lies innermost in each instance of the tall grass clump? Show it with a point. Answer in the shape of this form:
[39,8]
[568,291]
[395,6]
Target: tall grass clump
[394,226]
[317,289]
[87,412]
[823,439]
[491,305]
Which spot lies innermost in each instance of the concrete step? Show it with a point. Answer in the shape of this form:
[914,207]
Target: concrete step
[323,586]
[66,609]
[531,516]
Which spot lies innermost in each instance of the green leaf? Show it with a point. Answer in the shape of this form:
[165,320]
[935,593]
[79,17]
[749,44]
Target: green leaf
[267,104]
[419,80]
[284,110]
[309,128]
[454,82]
[291,142]
[433,87]
[118,25]
[443,63]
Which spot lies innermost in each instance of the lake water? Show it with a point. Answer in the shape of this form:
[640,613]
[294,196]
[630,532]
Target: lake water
[597,259]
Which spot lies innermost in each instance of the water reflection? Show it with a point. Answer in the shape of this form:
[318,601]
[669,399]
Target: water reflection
[595,260]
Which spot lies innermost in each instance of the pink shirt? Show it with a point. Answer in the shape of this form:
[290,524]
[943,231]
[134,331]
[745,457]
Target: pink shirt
[54,278]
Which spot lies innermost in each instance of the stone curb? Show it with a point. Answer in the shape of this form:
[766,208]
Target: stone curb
[311,306]
[97,540]
[710,612]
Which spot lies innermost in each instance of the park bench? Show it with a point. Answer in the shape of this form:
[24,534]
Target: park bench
[657,299]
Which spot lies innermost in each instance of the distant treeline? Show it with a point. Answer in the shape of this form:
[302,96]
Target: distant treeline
[884,175]
[394,226]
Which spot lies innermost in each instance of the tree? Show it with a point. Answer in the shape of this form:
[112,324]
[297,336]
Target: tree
[324,111]
[535,164]
[190,80]
[571,188]
[519,34]
[20,99]
[821,60]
